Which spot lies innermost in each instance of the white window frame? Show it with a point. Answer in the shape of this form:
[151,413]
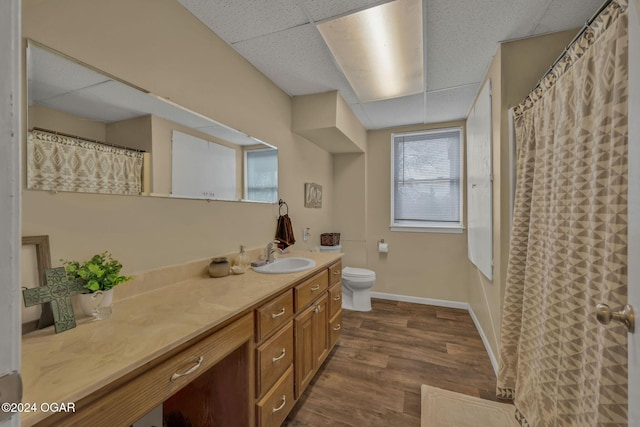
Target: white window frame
[432,226]
[245,167]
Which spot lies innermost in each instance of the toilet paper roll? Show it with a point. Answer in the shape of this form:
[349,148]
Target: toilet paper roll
[383,247]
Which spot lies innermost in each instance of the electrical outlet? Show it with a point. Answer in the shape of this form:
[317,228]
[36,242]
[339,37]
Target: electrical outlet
[306,233]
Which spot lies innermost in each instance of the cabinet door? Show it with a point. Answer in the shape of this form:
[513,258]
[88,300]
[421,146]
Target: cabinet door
[312,342]
[304,364]
[321,329]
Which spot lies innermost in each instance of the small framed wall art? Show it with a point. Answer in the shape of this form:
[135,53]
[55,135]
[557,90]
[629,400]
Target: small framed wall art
[312,195]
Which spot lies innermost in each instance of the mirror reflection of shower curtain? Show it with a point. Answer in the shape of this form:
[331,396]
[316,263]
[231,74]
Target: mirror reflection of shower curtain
[57,162]
[568,249]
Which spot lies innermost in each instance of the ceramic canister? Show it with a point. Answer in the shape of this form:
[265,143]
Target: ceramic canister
[219,267]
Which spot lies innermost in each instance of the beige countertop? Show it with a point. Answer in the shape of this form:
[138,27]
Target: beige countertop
[66,367]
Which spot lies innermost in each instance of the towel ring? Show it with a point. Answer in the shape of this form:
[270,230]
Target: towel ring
[280,203]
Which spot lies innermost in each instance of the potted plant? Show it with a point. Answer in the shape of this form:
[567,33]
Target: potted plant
[100,275]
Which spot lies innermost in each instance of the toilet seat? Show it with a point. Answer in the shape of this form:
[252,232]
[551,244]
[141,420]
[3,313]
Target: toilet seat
[358,274]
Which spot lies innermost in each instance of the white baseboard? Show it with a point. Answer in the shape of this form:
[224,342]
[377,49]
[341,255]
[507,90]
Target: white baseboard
[485,340]
[418,300]
[449,304]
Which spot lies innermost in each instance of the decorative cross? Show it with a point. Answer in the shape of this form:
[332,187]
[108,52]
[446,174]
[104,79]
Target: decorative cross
[58,292]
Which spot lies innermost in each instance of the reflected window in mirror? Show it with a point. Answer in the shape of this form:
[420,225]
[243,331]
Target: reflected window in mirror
[261,175]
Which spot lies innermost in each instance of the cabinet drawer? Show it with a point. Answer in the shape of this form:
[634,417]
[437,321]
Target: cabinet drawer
[335,329]
[273,408]
[335,273]
[311,289]
[335,299]
[273,314]
[273,358]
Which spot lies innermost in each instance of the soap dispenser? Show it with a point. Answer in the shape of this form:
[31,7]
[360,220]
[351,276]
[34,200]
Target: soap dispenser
[243,259]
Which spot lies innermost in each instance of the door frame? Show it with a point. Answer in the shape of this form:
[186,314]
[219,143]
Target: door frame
[10,170]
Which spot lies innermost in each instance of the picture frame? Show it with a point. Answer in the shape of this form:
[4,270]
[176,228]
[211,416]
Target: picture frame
[312,195]
[38,265]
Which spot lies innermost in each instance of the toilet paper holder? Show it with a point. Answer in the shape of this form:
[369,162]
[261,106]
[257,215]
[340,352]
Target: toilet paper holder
[382,246]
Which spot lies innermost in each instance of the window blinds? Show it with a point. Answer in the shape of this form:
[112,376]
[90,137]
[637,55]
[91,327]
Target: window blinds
[427,178]
[262,175]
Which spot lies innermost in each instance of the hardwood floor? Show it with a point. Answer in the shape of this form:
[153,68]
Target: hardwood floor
[373,375]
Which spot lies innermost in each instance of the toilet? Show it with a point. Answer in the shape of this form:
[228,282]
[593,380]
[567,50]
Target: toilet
[356,284]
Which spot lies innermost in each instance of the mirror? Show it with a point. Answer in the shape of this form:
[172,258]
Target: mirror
[90,132]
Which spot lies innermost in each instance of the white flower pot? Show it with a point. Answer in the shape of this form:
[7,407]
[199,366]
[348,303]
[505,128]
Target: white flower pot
[97,304]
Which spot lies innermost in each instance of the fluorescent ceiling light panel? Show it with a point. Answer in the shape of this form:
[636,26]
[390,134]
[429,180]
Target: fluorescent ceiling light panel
[379,49]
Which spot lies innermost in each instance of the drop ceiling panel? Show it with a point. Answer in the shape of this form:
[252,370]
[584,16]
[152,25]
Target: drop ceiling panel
[450,104]
[240,20]
[462,36]
[50,76]
[298,61]
[567,14]
[89,106]
[321,10]
[394,112]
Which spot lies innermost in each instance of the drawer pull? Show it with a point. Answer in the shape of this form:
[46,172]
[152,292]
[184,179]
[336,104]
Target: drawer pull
[316,310]
[315,288]
[190,371]
[337,327]
[335,273]
[278,314]
[336,298]
[275,359]
[284,401]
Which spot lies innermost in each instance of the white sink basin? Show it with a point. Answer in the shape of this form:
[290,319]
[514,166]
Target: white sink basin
[286,265]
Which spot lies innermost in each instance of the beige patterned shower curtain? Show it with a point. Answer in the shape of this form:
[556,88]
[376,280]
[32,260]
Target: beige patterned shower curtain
[61,163]
[569,238]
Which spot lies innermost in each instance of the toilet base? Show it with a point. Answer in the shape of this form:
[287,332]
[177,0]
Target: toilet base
[356,301]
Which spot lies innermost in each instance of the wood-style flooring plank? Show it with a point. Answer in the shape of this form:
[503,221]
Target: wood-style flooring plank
[373,375]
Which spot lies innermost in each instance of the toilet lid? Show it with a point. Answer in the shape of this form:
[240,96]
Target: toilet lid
[361,273]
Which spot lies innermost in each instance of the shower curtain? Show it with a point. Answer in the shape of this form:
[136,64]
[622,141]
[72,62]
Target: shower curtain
[568,250]
[62,163]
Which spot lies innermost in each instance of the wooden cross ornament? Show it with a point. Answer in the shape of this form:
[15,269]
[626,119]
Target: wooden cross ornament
[58,292]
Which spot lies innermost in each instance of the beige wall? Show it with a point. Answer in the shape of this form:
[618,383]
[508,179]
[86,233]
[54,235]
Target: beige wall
[350,207]
[514,71]
[427,265]
[46,118]
[161,47]
[133,133]
[349,124]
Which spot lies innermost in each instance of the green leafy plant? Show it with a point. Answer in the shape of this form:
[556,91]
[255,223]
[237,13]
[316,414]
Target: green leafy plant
[100,273]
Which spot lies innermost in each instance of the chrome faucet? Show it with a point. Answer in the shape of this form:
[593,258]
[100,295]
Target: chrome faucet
[271,250]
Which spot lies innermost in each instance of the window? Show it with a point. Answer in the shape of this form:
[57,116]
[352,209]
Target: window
[261,175]
[426,175]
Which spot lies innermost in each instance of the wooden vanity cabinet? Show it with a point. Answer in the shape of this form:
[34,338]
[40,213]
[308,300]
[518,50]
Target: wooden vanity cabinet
[293,338]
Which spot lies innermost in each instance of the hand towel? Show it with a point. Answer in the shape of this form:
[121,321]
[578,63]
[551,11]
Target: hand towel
[284,232]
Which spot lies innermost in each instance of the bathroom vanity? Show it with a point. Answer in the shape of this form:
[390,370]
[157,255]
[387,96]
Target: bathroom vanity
[237,350]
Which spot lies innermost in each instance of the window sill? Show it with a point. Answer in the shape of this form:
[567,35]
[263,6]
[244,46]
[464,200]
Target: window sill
[449,229]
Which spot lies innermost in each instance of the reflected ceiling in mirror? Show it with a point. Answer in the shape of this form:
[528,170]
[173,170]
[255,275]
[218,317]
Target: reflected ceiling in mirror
[72,99]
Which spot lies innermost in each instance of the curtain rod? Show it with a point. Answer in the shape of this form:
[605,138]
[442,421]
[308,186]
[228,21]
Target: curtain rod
[68,135]
[580,33]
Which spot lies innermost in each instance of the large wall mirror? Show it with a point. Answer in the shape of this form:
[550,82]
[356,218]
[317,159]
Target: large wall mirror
[90,132]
